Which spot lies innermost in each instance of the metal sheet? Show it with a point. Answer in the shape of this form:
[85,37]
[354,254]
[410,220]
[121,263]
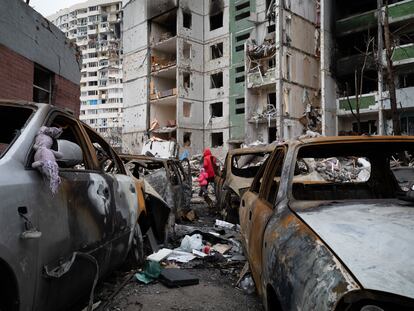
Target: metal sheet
[374,240]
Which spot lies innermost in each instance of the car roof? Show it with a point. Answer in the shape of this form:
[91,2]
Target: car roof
[250,150]
[348,139]
[14,102]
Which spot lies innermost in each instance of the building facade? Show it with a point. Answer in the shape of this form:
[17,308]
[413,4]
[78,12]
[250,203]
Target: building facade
[359,51]
[218,73]
[95,27]
[37,62]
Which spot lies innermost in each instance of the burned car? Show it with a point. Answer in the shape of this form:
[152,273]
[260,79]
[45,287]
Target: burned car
[323,228]
[55,246]
[170,178]
[240,168]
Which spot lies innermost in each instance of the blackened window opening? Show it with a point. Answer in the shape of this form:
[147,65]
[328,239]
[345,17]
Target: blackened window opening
[216,21]
[217,50]
[216,80]
[216,110]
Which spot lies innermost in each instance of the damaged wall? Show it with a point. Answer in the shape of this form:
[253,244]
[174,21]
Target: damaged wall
[29,34]
[292,73]
[135,75]
[28,39]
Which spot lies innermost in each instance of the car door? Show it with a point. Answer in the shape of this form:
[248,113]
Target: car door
[76,225]
[124,206]
[219,180]
[257,207]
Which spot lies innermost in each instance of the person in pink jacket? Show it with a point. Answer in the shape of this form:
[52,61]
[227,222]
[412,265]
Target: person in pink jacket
[203,182]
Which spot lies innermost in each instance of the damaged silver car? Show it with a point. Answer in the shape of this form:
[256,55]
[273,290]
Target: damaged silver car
[54,247]
[170,178]
[240,168]
[324,226]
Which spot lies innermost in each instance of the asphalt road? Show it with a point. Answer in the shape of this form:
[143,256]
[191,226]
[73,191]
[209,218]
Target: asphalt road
[216,290]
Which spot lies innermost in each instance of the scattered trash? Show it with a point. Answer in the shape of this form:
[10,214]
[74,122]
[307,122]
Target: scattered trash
[247,284]
[191,242]
[224,224]
[191,216]
[180,256]
[201,254]
[177,277]
[221,248]
[160,255]
[151,272]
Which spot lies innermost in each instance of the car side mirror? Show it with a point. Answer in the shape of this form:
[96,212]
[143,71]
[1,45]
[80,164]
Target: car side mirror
[71,153]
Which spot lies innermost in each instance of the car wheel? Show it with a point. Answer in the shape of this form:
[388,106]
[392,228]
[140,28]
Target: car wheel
[136,252]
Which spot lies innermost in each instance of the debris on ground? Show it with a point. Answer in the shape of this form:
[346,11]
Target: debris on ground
[176,277]
[150,273]
[247,284]
[214,263]
[224,224]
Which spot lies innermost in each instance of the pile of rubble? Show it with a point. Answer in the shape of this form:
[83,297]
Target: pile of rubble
[343,169]
[218,246]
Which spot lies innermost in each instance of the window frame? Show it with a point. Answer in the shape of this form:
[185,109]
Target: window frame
[117,161]
[90,165]
[270,174]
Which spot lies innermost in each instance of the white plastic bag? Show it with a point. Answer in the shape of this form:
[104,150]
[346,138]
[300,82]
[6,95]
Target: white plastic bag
[192,242]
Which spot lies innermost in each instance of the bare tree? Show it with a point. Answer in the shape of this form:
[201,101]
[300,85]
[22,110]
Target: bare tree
[359,83]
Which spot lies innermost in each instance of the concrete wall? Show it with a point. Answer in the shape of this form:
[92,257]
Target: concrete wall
[135,72]
[26,39]
[29,34]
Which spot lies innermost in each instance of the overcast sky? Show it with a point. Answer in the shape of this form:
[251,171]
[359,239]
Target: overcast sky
[48,7]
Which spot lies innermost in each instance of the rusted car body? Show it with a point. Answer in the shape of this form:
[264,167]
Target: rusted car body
[53,248]
[240,168]
[321,235]
[168,177]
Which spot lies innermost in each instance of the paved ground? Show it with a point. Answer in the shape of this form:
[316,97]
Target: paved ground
[216,291]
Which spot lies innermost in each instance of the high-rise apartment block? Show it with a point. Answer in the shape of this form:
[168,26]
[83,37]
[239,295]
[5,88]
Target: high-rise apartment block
[95,26]
[218,73]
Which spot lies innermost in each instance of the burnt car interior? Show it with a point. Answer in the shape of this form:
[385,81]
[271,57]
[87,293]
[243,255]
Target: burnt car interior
[247,165]
[12,121]
[107,160]
[69,133]
[338,170]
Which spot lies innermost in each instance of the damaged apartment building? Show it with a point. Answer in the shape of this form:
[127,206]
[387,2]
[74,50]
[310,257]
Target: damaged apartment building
[212,74]
[361,67]
[95,27]
[176,73]
[219,73]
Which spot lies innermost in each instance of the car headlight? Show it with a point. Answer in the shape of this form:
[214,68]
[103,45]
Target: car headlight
[371,308]
[412,187]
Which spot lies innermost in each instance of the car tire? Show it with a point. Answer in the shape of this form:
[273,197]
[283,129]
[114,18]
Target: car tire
[136,253]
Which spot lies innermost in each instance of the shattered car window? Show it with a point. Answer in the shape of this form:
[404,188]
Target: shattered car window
[12,122]
[350,171]
[247,165]
[335,169]
[402,166]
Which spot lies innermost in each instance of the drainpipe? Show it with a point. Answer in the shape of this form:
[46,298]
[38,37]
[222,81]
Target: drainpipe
[380,69]
[279,71]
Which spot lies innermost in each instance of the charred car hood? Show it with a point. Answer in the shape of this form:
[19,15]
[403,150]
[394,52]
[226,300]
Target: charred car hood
[374,240]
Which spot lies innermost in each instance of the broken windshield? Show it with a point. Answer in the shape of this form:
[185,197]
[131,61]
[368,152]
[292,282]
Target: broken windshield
[247,165]
[351,171]
[12,121]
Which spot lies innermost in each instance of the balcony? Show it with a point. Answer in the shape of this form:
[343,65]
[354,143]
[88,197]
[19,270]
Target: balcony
[403,54]
[367,102]
[166,97]
[398,12]
[166,44]
[257,79]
